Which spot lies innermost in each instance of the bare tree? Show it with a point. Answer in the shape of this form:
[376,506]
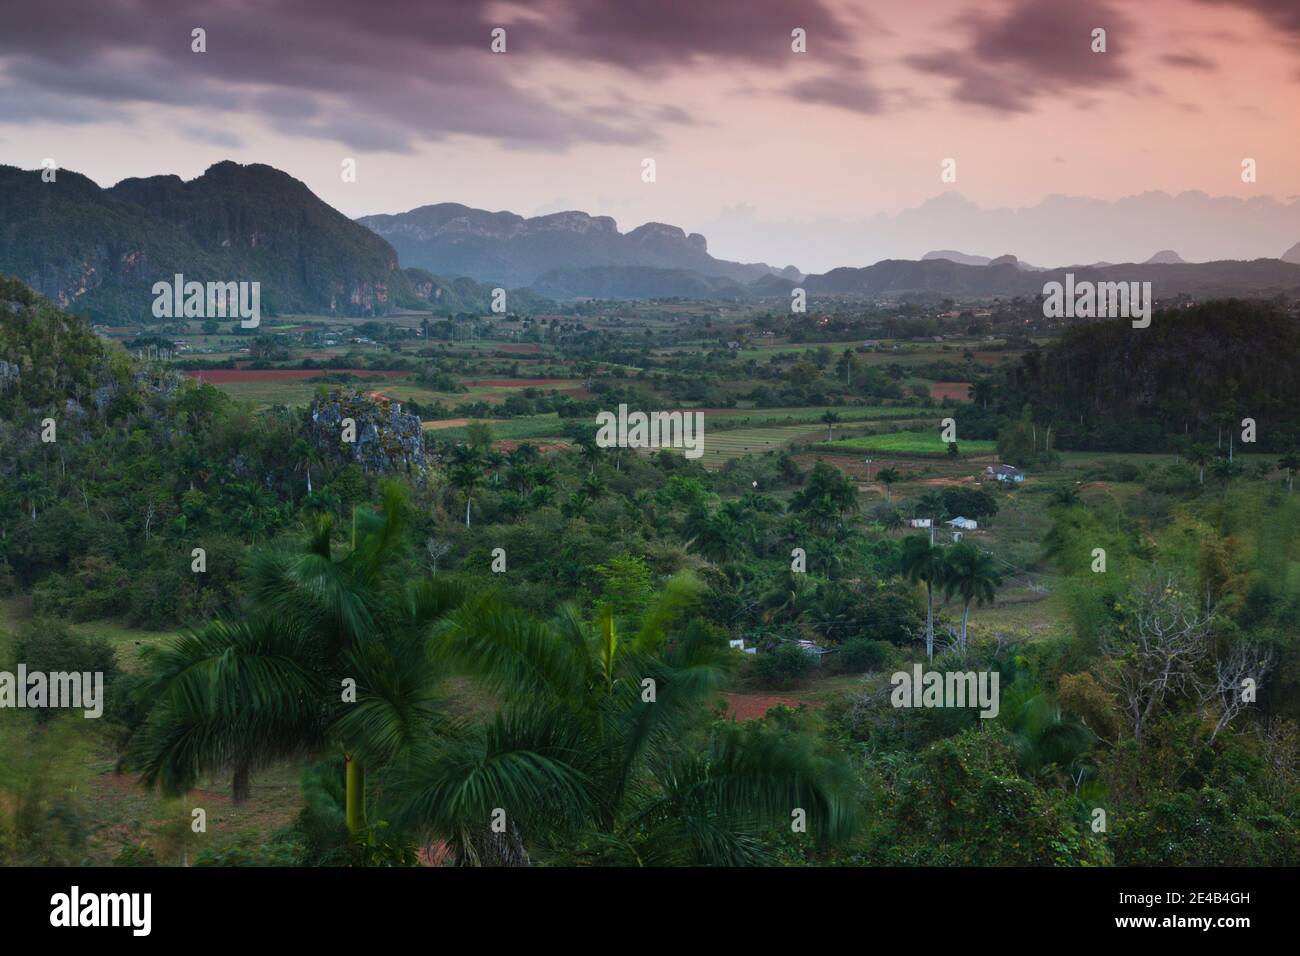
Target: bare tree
[1247,661]
[437,550]
[1159,652]
[1280,746]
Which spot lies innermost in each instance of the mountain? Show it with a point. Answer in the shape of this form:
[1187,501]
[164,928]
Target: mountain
[967,260]
[943,277]
[771,285]
[637,282]
[1165,257]
[960,257]
[1292,254]
[504,248]
[99,251]
[940,276]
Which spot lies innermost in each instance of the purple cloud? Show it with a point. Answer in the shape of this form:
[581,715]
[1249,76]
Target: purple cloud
[1037,48]
[388,75]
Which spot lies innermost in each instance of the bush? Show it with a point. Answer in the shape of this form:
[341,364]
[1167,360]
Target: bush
[782,667]
[48,646]
[248,852]
[861,655]
[136,855]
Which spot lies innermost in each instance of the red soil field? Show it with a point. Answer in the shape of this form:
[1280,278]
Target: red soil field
[754,706]
[517,382]
[955,390]
[217,375]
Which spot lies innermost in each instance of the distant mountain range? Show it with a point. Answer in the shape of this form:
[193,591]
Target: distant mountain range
[1057,231]
[502,247]
[967,260]
[1163,257]
[945,277]
[99,252]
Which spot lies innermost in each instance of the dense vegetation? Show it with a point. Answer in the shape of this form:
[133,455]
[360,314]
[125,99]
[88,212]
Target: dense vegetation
[508,652]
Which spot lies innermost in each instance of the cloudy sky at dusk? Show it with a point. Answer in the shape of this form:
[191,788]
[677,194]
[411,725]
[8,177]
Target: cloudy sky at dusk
[742,129]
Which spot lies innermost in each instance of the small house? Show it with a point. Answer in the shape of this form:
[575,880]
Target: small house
[1004,473]
[811,649]
[966,524]
[920,522]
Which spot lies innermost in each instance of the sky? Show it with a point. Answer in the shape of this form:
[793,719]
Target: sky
[773,154]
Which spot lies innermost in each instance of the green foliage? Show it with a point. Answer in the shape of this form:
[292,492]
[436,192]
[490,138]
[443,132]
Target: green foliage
[782,667]
[1196,364]
[49,646]
[862,654]
[961,803]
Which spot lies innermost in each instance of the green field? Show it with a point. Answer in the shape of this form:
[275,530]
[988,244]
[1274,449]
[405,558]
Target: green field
[915,443]
[795,415]
[722,446]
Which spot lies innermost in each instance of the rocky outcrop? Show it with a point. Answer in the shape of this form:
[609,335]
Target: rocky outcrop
[387,440]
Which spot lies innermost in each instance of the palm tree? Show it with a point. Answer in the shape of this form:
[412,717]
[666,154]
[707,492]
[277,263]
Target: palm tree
[587,750]
[305,458]
[922,561]
[593,487]
[827,497]
[1050,745]
[493,460]
[890,518]
[930,505]
[465,477]
[523,454]
[1065,496]
[1225,469]
[887,477]
[1198,456]
[970,574]
[245,692]
[1290,463]
[829,419]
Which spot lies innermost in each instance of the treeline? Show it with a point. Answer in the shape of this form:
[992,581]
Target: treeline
[1193,375]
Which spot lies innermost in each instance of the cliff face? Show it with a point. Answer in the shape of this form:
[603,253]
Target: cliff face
[99,251]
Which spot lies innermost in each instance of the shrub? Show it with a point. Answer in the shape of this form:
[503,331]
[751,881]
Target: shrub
[860,655]
[782,667]
[136,855]
[49,646]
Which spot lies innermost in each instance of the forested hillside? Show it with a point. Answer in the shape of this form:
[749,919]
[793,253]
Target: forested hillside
[1194,372]
[233,223]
